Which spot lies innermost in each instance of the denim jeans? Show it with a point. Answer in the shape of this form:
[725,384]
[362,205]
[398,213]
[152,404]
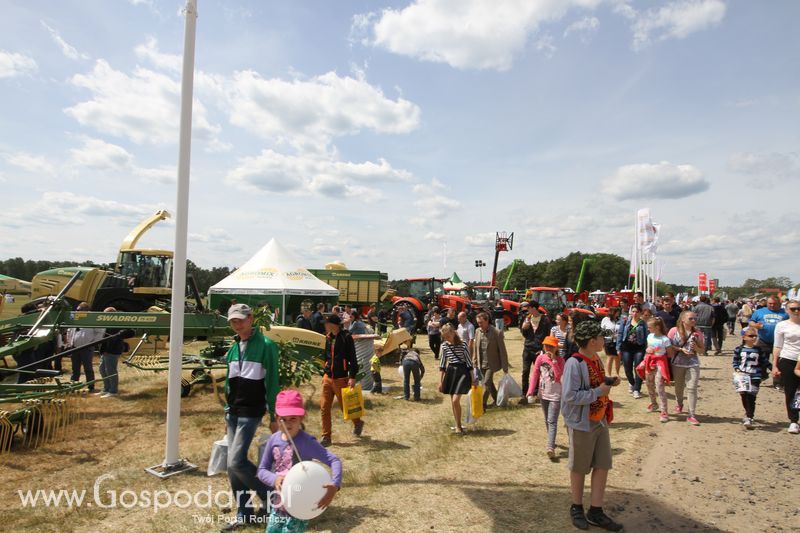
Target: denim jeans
[410,367]
[630,360]
[83,358]
[241,472]
[551,409]
[707,335]
[108,370]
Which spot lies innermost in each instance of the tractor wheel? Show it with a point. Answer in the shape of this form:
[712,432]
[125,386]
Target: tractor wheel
[509,320]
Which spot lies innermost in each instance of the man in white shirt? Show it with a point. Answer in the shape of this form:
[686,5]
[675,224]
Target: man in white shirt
[466,331]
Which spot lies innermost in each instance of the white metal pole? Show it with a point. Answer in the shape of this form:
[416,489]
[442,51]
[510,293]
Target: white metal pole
[181,232]
[637,279]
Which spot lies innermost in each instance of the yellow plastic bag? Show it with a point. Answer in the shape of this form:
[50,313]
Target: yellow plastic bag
[352,402]
[476,401]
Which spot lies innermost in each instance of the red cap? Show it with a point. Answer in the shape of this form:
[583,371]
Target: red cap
[289,403]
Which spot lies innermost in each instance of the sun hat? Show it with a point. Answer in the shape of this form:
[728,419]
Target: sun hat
[240,311]
[550,340]
[289,403]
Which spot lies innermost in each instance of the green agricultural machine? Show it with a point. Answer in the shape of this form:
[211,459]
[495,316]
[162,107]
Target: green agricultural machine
[42,408]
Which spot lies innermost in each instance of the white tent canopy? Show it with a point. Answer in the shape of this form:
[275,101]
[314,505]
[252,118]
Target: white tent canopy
[273,271]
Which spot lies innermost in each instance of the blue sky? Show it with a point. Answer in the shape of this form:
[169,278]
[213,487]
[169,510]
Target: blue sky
[373,132]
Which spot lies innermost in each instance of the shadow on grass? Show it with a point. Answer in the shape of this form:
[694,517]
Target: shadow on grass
[547,509]
[345,518]
[628,425]
[373,445]
[489,432]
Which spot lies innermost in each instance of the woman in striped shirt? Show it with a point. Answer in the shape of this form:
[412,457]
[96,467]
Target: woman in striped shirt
[455,368]
[561,331]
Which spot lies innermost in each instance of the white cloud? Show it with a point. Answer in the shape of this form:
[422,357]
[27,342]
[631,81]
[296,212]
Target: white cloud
[480,240]
[767,165]
[164,174]
[433,207]
[308,114]
[275,172]
[60,207]
[676,20]
[703,244]
[585,28]
[100,155]
[67,49]
[149,52]
[14,64]
[144,107]
[659,181]
[29,163]
[544,44]
[216,239]
[434,236]
[465,33]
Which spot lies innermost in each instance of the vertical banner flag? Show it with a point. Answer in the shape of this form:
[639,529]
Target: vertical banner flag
[712,285]
[647,231]
[632,271]
[702,282]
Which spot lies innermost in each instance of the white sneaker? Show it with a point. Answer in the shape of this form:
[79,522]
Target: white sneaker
[747,423]
[630,387]
[794,429]
[636,395]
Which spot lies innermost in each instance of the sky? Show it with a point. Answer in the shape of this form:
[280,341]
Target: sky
[400,136]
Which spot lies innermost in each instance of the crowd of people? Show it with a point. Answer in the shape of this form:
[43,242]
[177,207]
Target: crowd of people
[655,345]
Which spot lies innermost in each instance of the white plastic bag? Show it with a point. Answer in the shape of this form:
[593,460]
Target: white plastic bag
[742,382]
[507,389]
[218,463]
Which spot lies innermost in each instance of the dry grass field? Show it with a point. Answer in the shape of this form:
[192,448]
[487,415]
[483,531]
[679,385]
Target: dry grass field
[408,472]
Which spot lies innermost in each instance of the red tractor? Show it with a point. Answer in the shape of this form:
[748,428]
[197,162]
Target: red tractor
[486,296]
[421,292]
[614,299]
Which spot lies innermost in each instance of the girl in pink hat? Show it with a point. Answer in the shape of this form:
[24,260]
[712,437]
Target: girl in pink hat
[279,457]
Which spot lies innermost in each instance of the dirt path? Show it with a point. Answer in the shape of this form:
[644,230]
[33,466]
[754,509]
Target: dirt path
[720,474]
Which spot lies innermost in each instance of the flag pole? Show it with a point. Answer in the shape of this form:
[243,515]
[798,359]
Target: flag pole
[173,463]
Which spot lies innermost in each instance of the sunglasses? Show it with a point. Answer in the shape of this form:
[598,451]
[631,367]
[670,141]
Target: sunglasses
[691,318]
[793,309]
[750,336]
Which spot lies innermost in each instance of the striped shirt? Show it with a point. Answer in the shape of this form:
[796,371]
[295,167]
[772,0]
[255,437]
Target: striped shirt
[454,354]
[556,332]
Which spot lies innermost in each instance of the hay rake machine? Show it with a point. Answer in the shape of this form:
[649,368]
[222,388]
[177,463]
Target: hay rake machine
[42,408]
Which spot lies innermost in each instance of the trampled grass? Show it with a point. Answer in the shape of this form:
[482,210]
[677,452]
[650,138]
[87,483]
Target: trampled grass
[407,472]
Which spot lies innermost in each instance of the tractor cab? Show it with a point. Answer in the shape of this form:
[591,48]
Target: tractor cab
[485,293]
[426,290]
[553,299]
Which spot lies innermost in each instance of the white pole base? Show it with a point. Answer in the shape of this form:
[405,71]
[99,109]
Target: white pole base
[164,471]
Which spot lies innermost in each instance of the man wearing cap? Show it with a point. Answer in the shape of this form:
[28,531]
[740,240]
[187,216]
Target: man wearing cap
[535,328]
[251,386]
[341,367]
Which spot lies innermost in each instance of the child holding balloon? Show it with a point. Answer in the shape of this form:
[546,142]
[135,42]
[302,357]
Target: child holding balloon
[283,450]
